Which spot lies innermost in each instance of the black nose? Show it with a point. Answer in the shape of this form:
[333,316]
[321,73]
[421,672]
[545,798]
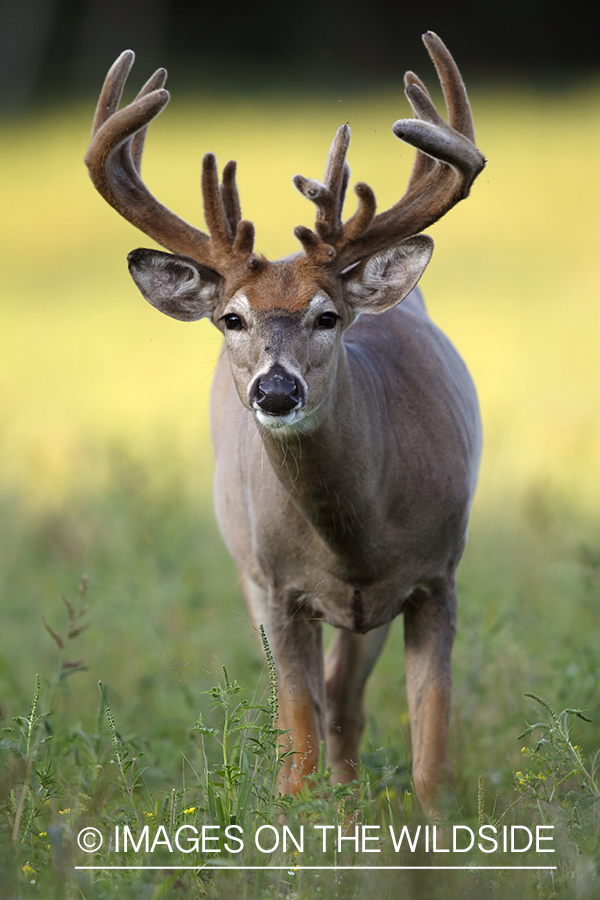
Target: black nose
[276,392]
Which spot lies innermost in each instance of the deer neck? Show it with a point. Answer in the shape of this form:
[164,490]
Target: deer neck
[333,472]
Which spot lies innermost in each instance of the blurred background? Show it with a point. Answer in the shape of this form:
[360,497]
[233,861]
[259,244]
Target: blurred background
[60,48]
[105,461]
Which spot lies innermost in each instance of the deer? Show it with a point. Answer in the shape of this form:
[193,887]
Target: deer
[345,425]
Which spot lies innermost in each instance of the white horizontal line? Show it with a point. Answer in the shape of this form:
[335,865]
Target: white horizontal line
[292,868]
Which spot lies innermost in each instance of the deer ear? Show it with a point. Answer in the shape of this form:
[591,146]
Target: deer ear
[176,285]
[388,276]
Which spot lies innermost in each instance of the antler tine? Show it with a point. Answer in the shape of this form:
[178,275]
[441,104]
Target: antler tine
[329,196]
[337,175]
[230,197]
[229,235]
[214,210]
[112,89]
[364,215]
[154,83]
[455,93]
[423,162]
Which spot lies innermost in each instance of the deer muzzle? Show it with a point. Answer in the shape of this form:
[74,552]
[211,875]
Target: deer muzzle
[277,392]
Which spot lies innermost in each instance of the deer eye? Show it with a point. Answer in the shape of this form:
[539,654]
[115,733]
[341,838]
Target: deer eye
[327,321]
[233,322]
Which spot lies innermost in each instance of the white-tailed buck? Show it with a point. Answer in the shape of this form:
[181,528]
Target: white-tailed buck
[345,425]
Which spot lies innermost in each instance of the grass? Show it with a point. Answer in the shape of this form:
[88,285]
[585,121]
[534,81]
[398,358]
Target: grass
[105,469]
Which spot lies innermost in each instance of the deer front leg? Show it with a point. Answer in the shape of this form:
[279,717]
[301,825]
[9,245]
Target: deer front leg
[348,664]
[429,627]
[295,640]
[299,658]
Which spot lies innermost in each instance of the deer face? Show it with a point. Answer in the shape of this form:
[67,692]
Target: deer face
[282,361]
[283,323]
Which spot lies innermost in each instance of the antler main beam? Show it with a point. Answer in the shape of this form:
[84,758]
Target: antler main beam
[446,165]
[114,161]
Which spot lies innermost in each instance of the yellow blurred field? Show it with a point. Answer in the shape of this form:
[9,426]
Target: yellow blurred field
[86,365]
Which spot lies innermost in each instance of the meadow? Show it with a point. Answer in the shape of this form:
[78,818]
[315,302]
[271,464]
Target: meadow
[105,472]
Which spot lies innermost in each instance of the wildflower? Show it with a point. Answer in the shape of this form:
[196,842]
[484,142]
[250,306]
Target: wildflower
[28,871]
[190,809]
